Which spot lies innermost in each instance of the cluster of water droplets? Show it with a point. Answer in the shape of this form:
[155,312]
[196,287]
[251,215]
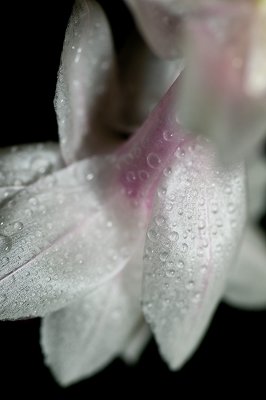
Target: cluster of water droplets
[192,236]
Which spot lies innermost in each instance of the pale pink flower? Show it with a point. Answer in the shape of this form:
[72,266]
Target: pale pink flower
[111,239]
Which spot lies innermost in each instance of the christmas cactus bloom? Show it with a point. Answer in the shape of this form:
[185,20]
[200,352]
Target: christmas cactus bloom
[133,225]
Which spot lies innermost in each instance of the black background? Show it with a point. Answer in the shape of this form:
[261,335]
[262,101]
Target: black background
[233,352]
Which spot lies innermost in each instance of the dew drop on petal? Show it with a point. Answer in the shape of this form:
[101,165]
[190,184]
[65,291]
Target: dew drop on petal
[153,160]
[5,243]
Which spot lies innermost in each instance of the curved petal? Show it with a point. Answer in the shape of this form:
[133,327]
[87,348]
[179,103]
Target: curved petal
[52,237]
[247,282]
[194,233]
[83,338]
[256,172]
[136,344]
[161,28]
[144,79]
[23,165]
[224,86]
[161,22]
[85,81]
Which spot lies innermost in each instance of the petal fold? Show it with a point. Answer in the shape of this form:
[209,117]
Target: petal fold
[85,83]
[246,287]
[195,229]
[83,338]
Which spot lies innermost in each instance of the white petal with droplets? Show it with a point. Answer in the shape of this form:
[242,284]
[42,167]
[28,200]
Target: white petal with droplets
[246,285]
[194,233]
[85,81]
[83,338]
[53,236]
[23,165]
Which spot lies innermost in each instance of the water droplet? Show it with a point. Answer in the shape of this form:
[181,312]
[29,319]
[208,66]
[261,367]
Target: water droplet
[167,171]
[168,136]
[184,247]
[180,264]
[203,269]
[153,160]
[162,192]
[170,273]
[201,224]
[4,261]
[160,220]
[143,175]
[190,285]
[18,226]
[173,236]
[5,243]
[89,177]
[164,255]
[153,235]
[33,201]
[196,298]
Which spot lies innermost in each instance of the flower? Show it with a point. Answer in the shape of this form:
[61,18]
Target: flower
[76,222]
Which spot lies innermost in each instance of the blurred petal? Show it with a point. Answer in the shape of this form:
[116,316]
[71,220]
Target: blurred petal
[194,233]
[23,165]
[161,28]
[136,344]
[220,96]
[144,79]
[247,281]
[85,81]
[83,338]
[161,24]
[52,238]
[256,171]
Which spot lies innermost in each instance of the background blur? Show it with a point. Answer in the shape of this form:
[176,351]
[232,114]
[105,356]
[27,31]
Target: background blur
[232,354]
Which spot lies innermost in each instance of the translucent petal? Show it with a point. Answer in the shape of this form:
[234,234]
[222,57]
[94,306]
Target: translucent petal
[52,237]
[216,98]
[194,233]
[161,24]
[256,172]
[22,165]
[247,282]
[136,344]
[144,79]
[85,80]
[83,338]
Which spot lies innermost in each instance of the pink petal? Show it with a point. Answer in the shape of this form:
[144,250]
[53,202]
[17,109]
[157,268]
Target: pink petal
[83,338]
[64,235]
[246,287]
[85,81]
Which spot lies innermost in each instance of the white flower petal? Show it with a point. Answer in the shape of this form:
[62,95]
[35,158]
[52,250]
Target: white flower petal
[85,80]
[256,172]
[215,99]
[194,233]
[136,344]
[23,165]
[247,282]
[83,338]
[161,24]
[52,237]
[144,79]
